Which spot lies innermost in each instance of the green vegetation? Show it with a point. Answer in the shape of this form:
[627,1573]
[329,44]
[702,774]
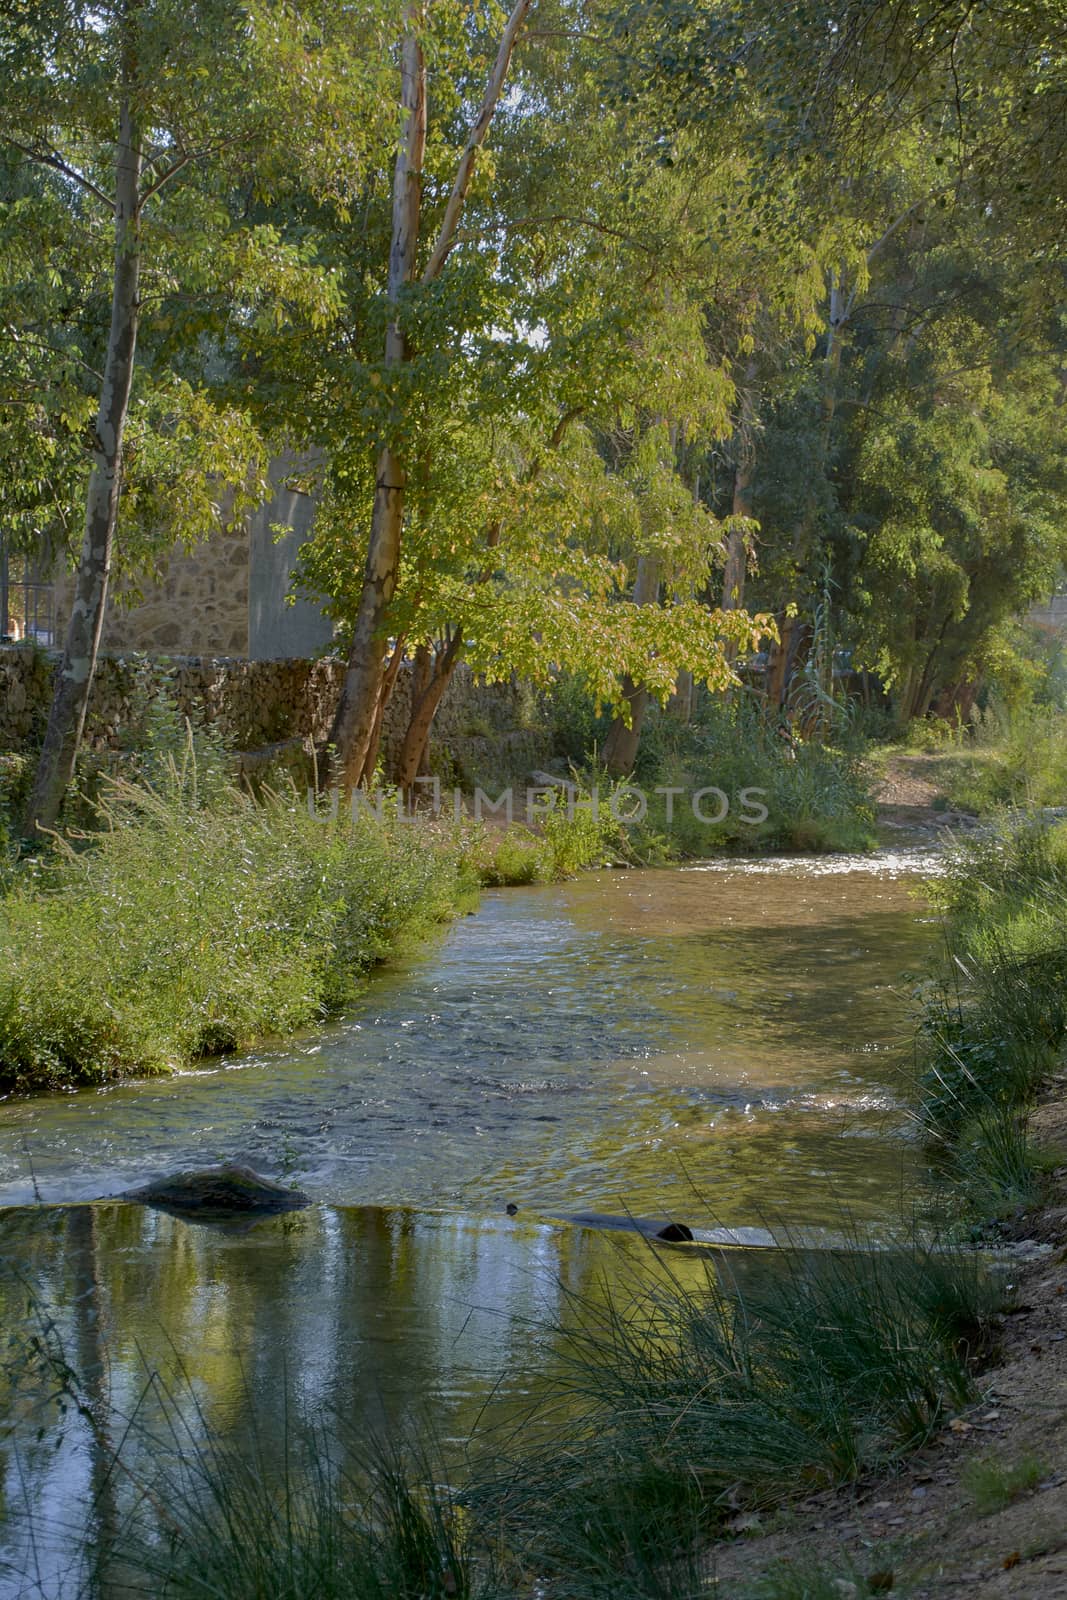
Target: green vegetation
[245,1528]
[815,791]
[564,840]
[991,1484]
[809,1579]
[994,1022]
[192,924]
[696,1403]
[679,1414]
[675,362]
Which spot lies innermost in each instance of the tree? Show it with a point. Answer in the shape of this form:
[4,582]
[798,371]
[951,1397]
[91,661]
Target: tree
[354,722]
[130,126]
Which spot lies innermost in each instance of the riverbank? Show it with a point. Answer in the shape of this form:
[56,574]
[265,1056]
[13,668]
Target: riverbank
[196,919]
[192,923]
[837,1371]
[982,1510]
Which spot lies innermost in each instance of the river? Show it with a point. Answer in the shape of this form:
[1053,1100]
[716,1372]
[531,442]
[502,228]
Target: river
[723,1044]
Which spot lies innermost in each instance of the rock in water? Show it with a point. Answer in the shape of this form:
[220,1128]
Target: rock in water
[227,1190]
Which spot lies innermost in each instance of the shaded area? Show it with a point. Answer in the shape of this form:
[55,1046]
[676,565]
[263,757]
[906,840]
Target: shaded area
[349,1317]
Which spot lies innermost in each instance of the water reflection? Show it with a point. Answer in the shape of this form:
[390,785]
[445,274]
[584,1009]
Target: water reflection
[721,1045]
[363,1315]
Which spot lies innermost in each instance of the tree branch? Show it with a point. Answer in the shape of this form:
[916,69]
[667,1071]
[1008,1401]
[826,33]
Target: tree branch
[446,238]
[49,159]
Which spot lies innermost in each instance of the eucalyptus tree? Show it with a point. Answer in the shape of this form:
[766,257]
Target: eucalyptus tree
[567,327]
[419,251]
[869,130]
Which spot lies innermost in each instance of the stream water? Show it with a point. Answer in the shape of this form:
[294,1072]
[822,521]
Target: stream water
[724,1045]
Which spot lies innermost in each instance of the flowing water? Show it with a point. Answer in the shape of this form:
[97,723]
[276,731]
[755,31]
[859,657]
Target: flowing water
[724,1044]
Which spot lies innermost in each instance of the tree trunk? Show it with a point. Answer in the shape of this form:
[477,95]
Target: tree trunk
[353,725]
[733,580]
[385,694]
[620,746]
[784,653]
[778,665]
[680,704]
[425,699]
[66,721]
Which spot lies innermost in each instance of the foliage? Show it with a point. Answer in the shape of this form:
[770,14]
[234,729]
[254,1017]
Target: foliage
[991,1484]
[808,1579]
[196,923]
[567,837]
[1011,759]
[696,1401]
[993,1023]
[816,795]
[388,1532]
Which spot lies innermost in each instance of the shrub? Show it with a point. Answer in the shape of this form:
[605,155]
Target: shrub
[184,928]
[1017,760]
[244,1525]
[817,796]
[993,1023]
[565,839]
[809,1579]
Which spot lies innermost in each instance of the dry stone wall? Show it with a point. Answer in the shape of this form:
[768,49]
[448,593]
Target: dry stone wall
[481,731]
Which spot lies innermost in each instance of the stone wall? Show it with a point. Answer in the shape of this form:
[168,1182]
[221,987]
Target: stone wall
[481,731]
[229,595]
[199,605]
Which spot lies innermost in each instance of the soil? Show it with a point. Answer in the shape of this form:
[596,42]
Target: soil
[919,1534]
[910,794]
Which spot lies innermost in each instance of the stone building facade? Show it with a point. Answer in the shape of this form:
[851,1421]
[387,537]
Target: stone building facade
[229,596]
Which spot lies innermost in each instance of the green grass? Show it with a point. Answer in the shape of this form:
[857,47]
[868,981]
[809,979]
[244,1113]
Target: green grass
[808,1578]
[991,1484]
[678,1408]
[994,1021]
[1001,759]
[185,928]
[254,1524]
[694,1402]
[562,843]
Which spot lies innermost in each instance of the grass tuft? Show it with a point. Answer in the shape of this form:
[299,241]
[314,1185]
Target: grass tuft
[191,925]
[992,1484]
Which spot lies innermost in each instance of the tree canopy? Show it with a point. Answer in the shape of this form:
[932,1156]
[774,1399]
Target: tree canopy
[616,337]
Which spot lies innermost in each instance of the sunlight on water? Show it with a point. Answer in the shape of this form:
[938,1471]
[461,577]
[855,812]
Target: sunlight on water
[717,1036]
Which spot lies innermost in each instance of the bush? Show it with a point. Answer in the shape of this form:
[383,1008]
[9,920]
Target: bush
[242,1525]
[565,838]
[1011,760]
[185,928]
[817,796]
